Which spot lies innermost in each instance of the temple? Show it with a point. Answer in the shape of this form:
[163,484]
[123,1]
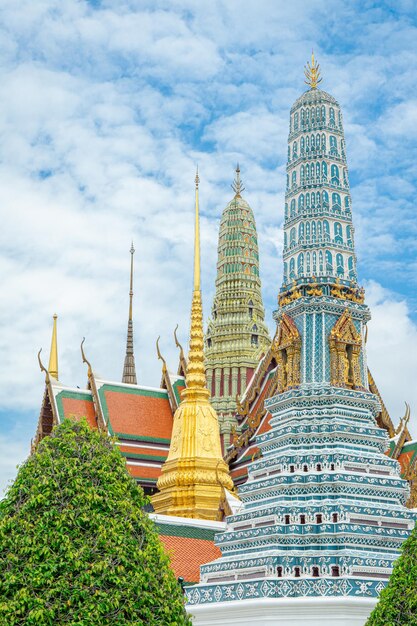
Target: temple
[236,335]
[296,423]
[324,508]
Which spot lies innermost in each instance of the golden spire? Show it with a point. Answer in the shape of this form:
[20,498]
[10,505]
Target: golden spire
[194,476]
[53,356]
[129,369]
[312,73]
[237,183]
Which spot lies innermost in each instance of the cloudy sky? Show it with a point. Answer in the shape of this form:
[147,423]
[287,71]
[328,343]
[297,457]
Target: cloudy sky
[105,109]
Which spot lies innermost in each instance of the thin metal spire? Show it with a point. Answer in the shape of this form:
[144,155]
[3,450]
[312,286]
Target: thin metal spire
[129,369]
[237,183]
[53,356]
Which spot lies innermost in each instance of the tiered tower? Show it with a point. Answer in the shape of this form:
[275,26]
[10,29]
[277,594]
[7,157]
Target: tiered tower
[129,369]
[194,476]
[324,508]
[236,334]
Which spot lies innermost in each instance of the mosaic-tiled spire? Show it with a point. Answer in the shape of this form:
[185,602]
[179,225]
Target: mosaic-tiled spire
[236,334]
[318,231]
[324,507]
[129,369]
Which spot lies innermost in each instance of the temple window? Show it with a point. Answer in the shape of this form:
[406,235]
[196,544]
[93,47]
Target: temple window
[335,570]
[333,145]
[287,519]
[315,572]
[321,266]
[297,572]
[317,172]
[292,269]
[338,232]
[295,121]
[307,200]
[313,232]
[340,270]
[292,211]
[302,519]
[254,340]
[302,174]
[302,145]
[318,467]
[305,468]
[250,309]
[292,237]
[324,170]
[279,571]
[329,262]
[294,178]
[323,142]
[314,263]
[300,264]
[319,518]
[301,233]
[323,113]
[334,518]
[294,150]
[292,469]
[335,176]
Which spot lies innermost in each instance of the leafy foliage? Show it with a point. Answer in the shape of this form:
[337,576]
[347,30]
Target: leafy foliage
[397,604]
[75,545]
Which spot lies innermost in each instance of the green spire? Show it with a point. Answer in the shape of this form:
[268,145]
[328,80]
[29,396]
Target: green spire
[236,334]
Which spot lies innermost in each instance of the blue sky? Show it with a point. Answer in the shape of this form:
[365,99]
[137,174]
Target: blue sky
[105,109]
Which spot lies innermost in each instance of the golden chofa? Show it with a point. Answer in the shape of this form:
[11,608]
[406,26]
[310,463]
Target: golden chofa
[195,476]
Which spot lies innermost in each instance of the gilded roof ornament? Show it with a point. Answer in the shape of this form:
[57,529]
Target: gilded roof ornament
[53,356]
[237,183]
[312,73]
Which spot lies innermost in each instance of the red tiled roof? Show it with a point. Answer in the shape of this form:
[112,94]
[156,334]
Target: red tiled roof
[76,409]
[137,412]
[187,554]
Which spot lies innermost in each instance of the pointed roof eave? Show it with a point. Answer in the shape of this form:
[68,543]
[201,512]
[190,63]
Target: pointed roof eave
[166,381]
[182,364]
[48,415]
[129,368]
[101,422]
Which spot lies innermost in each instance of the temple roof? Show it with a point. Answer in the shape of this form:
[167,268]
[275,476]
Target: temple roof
[313,96]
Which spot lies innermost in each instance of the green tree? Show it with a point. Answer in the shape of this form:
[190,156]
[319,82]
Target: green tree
[397,604]
[75,545]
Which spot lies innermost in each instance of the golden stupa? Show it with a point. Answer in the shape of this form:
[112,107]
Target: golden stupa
[195,476]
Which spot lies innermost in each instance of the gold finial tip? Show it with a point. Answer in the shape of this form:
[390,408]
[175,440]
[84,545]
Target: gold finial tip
[55,316]
[312,72]
[197,178]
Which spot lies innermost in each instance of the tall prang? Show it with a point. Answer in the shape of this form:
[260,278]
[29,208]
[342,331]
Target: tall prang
[324,511]
[236,334]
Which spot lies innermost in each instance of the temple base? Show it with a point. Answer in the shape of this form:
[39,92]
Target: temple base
[327,611]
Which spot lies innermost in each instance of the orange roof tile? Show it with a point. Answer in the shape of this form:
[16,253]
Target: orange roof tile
[137,412]
[77,408]
[187,554]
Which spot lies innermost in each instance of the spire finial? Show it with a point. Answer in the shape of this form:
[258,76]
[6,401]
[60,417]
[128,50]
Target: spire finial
[53,356]
[197,237]
[237,183]
[129,370]
[132,252]
[195,376]
[312,73]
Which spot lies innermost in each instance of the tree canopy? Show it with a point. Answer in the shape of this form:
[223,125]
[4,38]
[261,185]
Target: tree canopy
[397,604]
[76,546]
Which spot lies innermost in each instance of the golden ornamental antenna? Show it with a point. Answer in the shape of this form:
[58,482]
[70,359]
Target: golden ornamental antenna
[312,73]
[197,237]
[53,356]
[237,183]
